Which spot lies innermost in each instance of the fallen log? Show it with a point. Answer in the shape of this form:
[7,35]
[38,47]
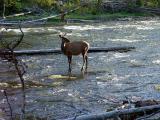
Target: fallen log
[58,51]
[18,14]
[116,113]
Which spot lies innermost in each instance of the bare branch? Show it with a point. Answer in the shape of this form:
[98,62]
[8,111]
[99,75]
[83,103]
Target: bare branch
[9,105]
[20,40]
[8,54]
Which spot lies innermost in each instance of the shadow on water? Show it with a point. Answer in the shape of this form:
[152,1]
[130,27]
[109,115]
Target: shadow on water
[54,94]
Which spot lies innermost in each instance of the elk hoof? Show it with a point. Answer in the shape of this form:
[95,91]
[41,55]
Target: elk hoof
[82,69]
[86,71]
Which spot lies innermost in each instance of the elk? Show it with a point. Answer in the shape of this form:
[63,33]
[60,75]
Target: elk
[74,48]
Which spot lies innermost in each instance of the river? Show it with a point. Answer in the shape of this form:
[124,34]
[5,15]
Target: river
[111,76]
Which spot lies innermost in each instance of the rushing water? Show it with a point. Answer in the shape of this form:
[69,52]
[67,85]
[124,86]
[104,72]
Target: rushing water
[111,76]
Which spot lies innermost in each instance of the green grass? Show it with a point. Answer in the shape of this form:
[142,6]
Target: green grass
[100,16]
[105,16]
[87,16]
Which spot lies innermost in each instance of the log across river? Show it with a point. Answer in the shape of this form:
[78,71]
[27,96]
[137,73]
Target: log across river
[58,51]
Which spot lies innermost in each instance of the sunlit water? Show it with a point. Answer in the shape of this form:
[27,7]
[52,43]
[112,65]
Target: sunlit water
[111,76]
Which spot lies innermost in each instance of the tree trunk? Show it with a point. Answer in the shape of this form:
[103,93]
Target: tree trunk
[4,9]
[99,2]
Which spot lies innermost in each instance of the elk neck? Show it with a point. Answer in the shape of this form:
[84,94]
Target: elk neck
[63,44]
[63,47]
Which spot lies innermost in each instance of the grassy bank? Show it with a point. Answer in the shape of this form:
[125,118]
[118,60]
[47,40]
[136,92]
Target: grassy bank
[99,16]
[105,16]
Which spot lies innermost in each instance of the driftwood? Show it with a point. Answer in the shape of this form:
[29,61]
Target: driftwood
[15,15]
[116,113]
[136,104]
[19,14]
[58,51]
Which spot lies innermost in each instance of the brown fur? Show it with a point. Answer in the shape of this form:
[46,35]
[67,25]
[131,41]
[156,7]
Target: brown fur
[74,48]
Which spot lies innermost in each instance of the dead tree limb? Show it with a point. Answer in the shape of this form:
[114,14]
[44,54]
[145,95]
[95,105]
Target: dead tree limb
[8,54]
[18,41]
[112,114]
[19,14]
[9,105]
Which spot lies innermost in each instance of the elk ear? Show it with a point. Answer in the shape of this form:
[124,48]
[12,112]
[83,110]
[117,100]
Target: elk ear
[64,34]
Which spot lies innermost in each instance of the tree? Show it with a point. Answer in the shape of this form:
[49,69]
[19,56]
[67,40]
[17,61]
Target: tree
[99,2]
[4,9]
[44,3]
[11,6]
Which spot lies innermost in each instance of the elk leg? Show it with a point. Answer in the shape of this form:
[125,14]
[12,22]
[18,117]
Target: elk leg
[69,61]
[86,57]
[83,62]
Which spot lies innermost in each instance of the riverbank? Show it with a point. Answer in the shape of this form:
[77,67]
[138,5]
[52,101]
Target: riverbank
[76,18]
